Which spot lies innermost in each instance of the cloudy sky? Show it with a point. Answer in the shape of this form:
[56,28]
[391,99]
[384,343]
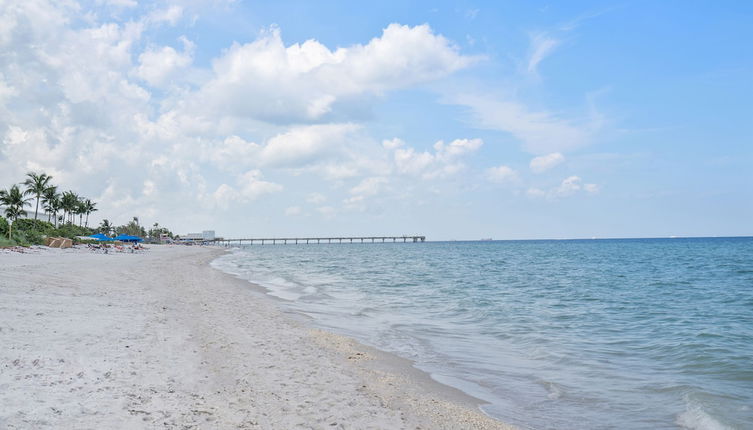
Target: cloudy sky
[457,120]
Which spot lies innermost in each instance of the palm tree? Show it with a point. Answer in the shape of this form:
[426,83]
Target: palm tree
[36,185]
[50,199]
[80,211]
[54,206]
[105,227]
[69,202]
[89,207]
[14,203]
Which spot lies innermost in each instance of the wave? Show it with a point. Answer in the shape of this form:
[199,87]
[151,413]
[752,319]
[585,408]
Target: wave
[696,417]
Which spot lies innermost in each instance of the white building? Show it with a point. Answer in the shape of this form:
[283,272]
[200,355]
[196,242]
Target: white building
[204,235]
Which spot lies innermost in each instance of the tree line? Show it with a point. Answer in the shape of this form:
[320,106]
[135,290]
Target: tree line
[61,209]
[38,187]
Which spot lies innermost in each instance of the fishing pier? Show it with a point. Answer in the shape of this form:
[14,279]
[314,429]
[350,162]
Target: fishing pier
[310,240]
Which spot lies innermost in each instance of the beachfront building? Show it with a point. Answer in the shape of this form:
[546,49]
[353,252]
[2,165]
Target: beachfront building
[43,214]
[204,236]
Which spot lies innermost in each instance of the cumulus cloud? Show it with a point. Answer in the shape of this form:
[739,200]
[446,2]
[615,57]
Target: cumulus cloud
[249,186]
[393,143]
[546,162]
[326,149]
[170,15]
[568,187]
[368,187]
[444,161]
[501,174]
[93,102]
[158,65]
[305,144]
[252,186]
[303,82]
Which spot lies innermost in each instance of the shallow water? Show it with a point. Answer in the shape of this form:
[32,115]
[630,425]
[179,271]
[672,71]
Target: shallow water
[632,333]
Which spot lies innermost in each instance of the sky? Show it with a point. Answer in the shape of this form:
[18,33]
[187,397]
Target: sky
[450,119]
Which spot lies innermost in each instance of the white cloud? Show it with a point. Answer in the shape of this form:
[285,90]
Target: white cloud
[540,132]
[325,149]
[119,3]
[338,171]
[546,162]
[409,161]
[149,188]
[170,15]
[369,186]
[591,188]
[443,162]
[568,187]
[252,186]
[249,187]
[393,143]
[223,196]
[305,144]
[267,80]
[541,46]
[157,65]
[107,108]
[233,151]
[501,174]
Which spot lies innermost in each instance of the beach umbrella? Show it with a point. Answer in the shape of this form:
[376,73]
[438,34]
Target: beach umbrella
[128,238]
[101,237]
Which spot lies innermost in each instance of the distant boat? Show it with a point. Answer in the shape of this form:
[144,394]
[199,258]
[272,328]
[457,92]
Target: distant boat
[486,240]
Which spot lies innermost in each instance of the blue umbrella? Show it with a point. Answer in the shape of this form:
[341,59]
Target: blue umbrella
[101,237]
[128,238]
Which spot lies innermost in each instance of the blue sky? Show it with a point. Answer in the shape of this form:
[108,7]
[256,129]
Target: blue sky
[457,120]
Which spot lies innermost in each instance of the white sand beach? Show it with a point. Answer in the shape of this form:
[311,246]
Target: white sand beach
[162,340]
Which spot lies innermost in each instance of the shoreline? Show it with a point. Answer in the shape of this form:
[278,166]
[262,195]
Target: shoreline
[165,339]
[369,358]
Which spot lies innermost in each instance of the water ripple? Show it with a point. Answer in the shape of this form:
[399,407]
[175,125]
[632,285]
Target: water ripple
[553,334]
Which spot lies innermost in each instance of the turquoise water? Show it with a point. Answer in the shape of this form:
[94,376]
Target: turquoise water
[628,334]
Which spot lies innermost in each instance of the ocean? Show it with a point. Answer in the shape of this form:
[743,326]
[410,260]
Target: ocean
[553,334]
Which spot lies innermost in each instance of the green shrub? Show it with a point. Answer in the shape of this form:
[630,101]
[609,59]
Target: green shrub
[27,238]
[34,237]
[33,225]
[20,237]
[3,227]
[70,231]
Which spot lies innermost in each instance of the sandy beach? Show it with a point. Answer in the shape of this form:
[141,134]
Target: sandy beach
[162,340]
